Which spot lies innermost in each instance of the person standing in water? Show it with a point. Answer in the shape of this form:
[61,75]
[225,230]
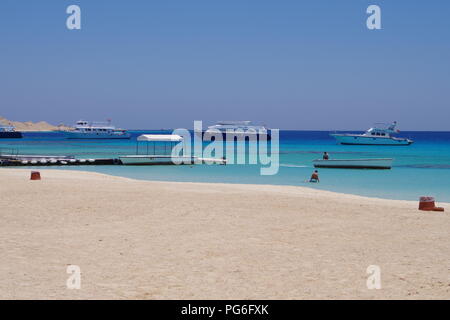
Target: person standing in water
[326,156]
[315,176]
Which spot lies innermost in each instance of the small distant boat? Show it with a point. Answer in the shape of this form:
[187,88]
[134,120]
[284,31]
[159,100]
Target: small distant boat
[385,163]
[96,130]
[379,134]
[9,132]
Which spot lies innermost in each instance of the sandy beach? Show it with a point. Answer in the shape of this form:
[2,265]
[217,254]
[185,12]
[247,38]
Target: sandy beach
[165,240]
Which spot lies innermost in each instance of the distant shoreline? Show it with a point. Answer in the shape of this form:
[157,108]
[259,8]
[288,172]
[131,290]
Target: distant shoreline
[29,126]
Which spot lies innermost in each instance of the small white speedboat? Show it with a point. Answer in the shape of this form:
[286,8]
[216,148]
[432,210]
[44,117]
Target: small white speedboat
[385,163]
[379,134]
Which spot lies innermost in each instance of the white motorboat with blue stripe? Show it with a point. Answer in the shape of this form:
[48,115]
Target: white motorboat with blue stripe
[380,134]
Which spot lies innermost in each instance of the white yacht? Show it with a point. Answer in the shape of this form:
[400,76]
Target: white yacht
[244,127]
[96,130]
[379,134]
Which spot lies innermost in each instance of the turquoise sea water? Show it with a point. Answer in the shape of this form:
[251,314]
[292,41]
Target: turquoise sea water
[420,169]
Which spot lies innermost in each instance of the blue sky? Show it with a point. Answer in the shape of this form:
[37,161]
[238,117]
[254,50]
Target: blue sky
[290,64]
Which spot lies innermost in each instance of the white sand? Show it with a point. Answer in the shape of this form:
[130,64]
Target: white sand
[155,240]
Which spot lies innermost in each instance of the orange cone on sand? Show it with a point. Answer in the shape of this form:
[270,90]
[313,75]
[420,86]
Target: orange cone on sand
[428,204]
[35,175]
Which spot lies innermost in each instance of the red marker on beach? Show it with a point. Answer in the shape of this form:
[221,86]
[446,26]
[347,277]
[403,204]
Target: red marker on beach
[35,175]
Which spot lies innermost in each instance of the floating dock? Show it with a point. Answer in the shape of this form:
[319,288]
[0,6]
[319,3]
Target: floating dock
[39,160]
[137,160]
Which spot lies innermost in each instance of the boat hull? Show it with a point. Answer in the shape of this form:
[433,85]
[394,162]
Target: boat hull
[369,141]
[11,135]
[137,160]
[354,163]
[91,136]
[155,159]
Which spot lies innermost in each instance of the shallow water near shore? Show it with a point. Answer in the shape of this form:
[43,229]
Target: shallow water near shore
[420,169]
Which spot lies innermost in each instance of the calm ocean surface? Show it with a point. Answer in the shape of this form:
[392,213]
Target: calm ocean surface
[420,169]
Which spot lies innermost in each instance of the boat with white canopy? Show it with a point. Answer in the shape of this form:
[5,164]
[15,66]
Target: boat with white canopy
[158,150]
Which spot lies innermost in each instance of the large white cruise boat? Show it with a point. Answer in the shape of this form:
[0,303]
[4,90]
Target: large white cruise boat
[245,128]
[96,130]
[379,134]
